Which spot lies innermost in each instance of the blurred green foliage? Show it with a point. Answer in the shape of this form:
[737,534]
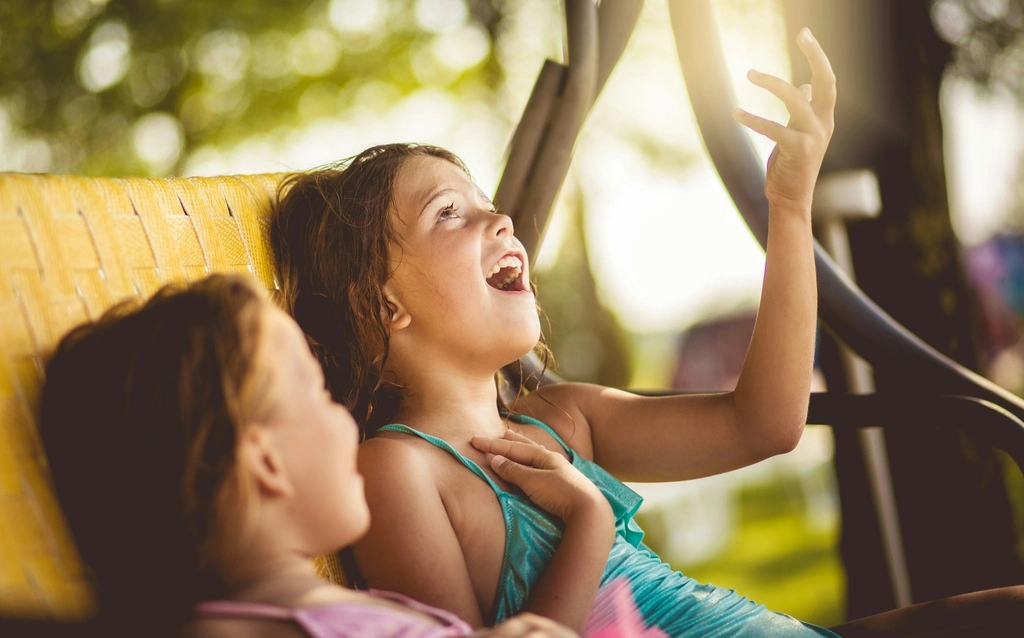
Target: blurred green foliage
[587,341]
[773,555]
[131,86]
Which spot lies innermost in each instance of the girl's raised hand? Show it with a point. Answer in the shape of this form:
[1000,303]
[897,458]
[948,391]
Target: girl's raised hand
[800,145]
[547,478]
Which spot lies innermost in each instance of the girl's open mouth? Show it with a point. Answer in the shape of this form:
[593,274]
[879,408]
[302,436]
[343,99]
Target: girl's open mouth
[507,275]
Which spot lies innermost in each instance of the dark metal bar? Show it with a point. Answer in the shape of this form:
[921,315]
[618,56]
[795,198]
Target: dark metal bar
[992,423]
[527,139]
[552,161]
[616,21]
[541,148]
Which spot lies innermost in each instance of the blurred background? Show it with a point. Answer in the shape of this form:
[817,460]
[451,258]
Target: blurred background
[647,275]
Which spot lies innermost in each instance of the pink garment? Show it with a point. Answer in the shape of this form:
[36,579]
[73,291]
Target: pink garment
[614,614]
[348,619]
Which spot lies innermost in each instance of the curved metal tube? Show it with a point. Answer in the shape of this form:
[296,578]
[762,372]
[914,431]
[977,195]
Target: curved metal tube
[541,148]
[616,21]
[550,165]
[846,310]
[527,138]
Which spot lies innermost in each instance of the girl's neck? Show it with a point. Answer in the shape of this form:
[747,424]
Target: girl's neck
[272,577]
[452,406]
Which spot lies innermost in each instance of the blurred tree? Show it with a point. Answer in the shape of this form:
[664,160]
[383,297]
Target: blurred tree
[133,86]
[954,512]
[586,339]
[988,41]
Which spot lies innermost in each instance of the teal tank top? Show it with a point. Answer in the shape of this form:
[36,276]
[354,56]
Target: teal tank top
[676,604]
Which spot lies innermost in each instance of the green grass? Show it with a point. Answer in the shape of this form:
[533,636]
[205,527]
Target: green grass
[773,557]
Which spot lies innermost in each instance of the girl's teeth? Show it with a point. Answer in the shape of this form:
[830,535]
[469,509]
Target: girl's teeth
[506,262]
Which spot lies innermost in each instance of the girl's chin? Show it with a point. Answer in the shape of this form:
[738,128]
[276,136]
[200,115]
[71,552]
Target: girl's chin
[359,522]
[518,346]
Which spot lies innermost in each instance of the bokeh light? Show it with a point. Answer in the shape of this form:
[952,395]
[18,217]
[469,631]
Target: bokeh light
[106,59]
[158,139]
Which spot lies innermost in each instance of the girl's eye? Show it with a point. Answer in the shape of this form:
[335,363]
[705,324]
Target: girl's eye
[448,212]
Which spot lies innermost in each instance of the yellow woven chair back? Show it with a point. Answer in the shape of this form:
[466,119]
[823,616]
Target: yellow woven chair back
[70,247]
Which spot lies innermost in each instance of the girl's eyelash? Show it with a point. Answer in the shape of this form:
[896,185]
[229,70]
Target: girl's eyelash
[450,208]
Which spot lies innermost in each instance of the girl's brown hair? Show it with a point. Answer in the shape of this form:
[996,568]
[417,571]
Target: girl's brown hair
[331,234]
[140,416]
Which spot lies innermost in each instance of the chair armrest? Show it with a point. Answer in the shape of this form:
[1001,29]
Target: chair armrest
[990,422]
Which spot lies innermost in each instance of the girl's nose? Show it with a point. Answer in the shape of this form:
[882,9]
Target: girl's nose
[502,225]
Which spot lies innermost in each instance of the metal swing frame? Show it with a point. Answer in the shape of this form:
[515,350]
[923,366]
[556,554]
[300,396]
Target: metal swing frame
[539,158]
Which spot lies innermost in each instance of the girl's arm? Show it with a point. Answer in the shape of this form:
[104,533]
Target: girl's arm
[680,437]
[411,546]
[570,582]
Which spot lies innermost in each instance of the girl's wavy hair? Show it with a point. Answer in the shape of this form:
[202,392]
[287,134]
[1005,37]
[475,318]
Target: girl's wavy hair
[140,416]
[331,233]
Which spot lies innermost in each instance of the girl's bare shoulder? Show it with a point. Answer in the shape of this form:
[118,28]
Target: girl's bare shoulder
[391,454]
[559,407]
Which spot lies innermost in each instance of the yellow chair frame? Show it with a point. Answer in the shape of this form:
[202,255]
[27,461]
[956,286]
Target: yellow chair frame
[71,247]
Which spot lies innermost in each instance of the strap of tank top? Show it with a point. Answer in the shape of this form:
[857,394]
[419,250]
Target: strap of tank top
[441,443]
[522,418]
[241,609]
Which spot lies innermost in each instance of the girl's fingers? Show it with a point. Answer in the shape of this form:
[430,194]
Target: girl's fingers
[493,445]
[794,99]
[823,79]
[527,624]
[505,468]
[772,130]
[512,435]
[806,90]
[525,452]
[516,473]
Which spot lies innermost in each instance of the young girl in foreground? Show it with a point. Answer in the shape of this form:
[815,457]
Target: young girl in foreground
[198,457]
[414,293]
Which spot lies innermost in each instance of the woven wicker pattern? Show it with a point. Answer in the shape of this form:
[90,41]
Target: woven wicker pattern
[70,247]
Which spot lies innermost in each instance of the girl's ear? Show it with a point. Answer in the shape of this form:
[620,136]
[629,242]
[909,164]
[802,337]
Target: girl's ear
[264,463]
[400,317]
